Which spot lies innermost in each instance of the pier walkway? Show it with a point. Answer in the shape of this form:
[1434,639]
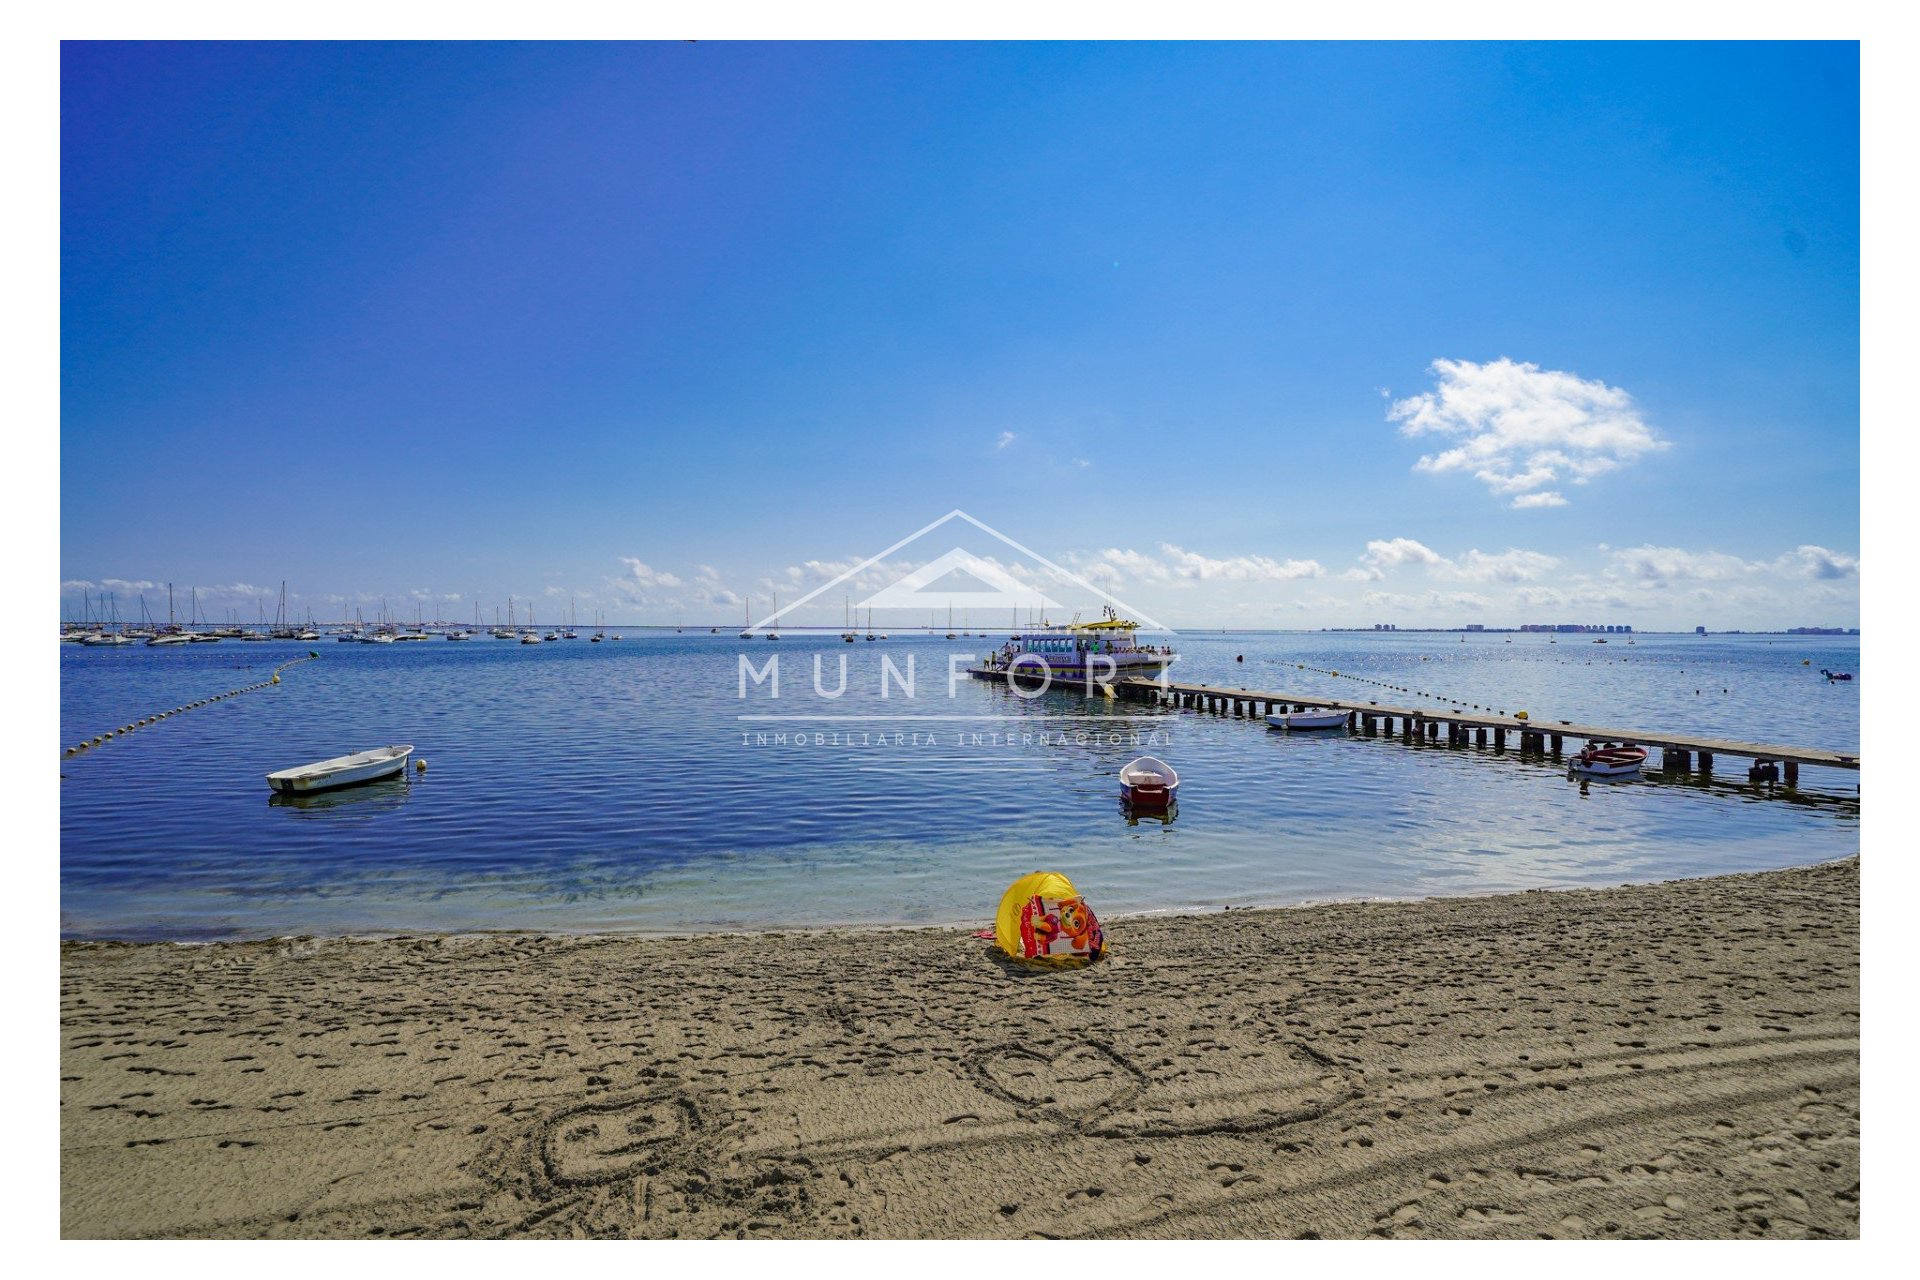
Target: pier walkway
[1458,726]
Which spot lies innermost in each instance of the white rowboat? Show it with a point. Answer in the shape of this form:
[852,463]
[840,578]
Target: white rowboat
[1149,783]
[1320,719]
[343,771]
[1608,760]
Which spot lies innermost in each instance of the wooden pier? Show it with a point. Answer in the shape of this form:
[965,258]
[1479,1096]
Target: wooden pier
[1679,752]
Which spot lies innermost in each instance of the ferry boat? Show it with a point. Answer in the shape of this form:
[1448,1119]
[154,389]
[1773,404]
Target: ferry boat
[1075,650]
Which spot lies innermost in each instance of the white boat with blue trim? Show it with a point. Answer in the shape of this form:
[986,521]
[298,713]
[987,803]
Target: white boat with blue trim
[1308,718]
[343,771]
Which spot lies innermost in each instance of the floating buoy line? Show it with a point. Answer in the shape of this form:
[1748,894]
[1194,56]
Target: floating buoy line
[208,701]
[1423,693]
[1401,688]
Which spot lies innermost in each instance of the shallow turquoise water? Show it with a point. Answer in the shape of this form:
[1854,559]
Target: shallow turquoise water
[578,786]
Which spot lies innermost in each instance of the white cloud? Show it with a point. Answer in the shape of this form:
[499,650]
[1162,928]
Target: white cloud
[1818,562]
[1390,553]
[881,574]
[1191,564]
[1006,438]
[1082,463]
[1176,566]
[646,575]
[1659,566]
[1578,598]
[1511,565]
[1521,428]
[1428,600]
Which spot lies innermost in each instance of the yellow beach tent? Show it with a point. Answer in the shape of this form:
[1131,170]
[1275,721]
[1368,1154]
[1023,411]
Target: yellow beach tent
[1044,920]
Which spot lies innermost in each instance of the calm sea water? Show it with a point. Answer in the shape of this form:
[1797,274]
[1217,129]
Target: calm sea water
[580,786]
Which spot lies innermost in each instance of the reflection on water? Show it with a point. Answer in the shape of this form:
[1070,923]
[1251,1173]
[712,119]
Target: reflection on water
[581,787]
[386,793]
[1137,814]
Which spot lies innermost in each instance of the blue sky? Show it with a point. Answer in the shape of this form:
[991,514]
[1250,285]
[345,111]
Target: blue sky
[661,326]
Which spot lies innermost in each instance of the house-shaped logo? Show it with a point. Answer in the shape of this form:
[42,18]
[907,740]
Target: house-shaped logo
[962,581]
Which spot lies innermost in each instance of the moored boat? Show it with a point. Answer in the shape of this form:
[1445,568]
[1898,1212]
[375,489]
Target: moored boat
[1607,759]
[1103,651]
[1148,783]
[343,771]
[1313,718]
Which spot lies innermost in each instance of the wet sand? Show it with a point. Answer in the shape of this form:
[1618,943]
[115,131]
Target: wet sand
[1677,1060]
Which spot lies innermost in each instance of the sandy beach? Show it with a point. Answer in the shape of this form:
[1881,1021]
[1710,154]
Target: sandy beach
[1676,1060]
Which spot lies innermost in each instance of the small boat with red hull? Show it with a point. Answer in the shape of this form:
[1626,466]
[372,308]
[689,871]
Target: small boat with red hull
[1608,759]
[1148,783]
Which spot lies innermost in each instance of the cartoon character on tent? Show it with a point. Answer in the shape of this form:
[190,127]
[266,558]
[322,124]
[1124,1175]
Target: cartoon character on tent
[1043,919]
